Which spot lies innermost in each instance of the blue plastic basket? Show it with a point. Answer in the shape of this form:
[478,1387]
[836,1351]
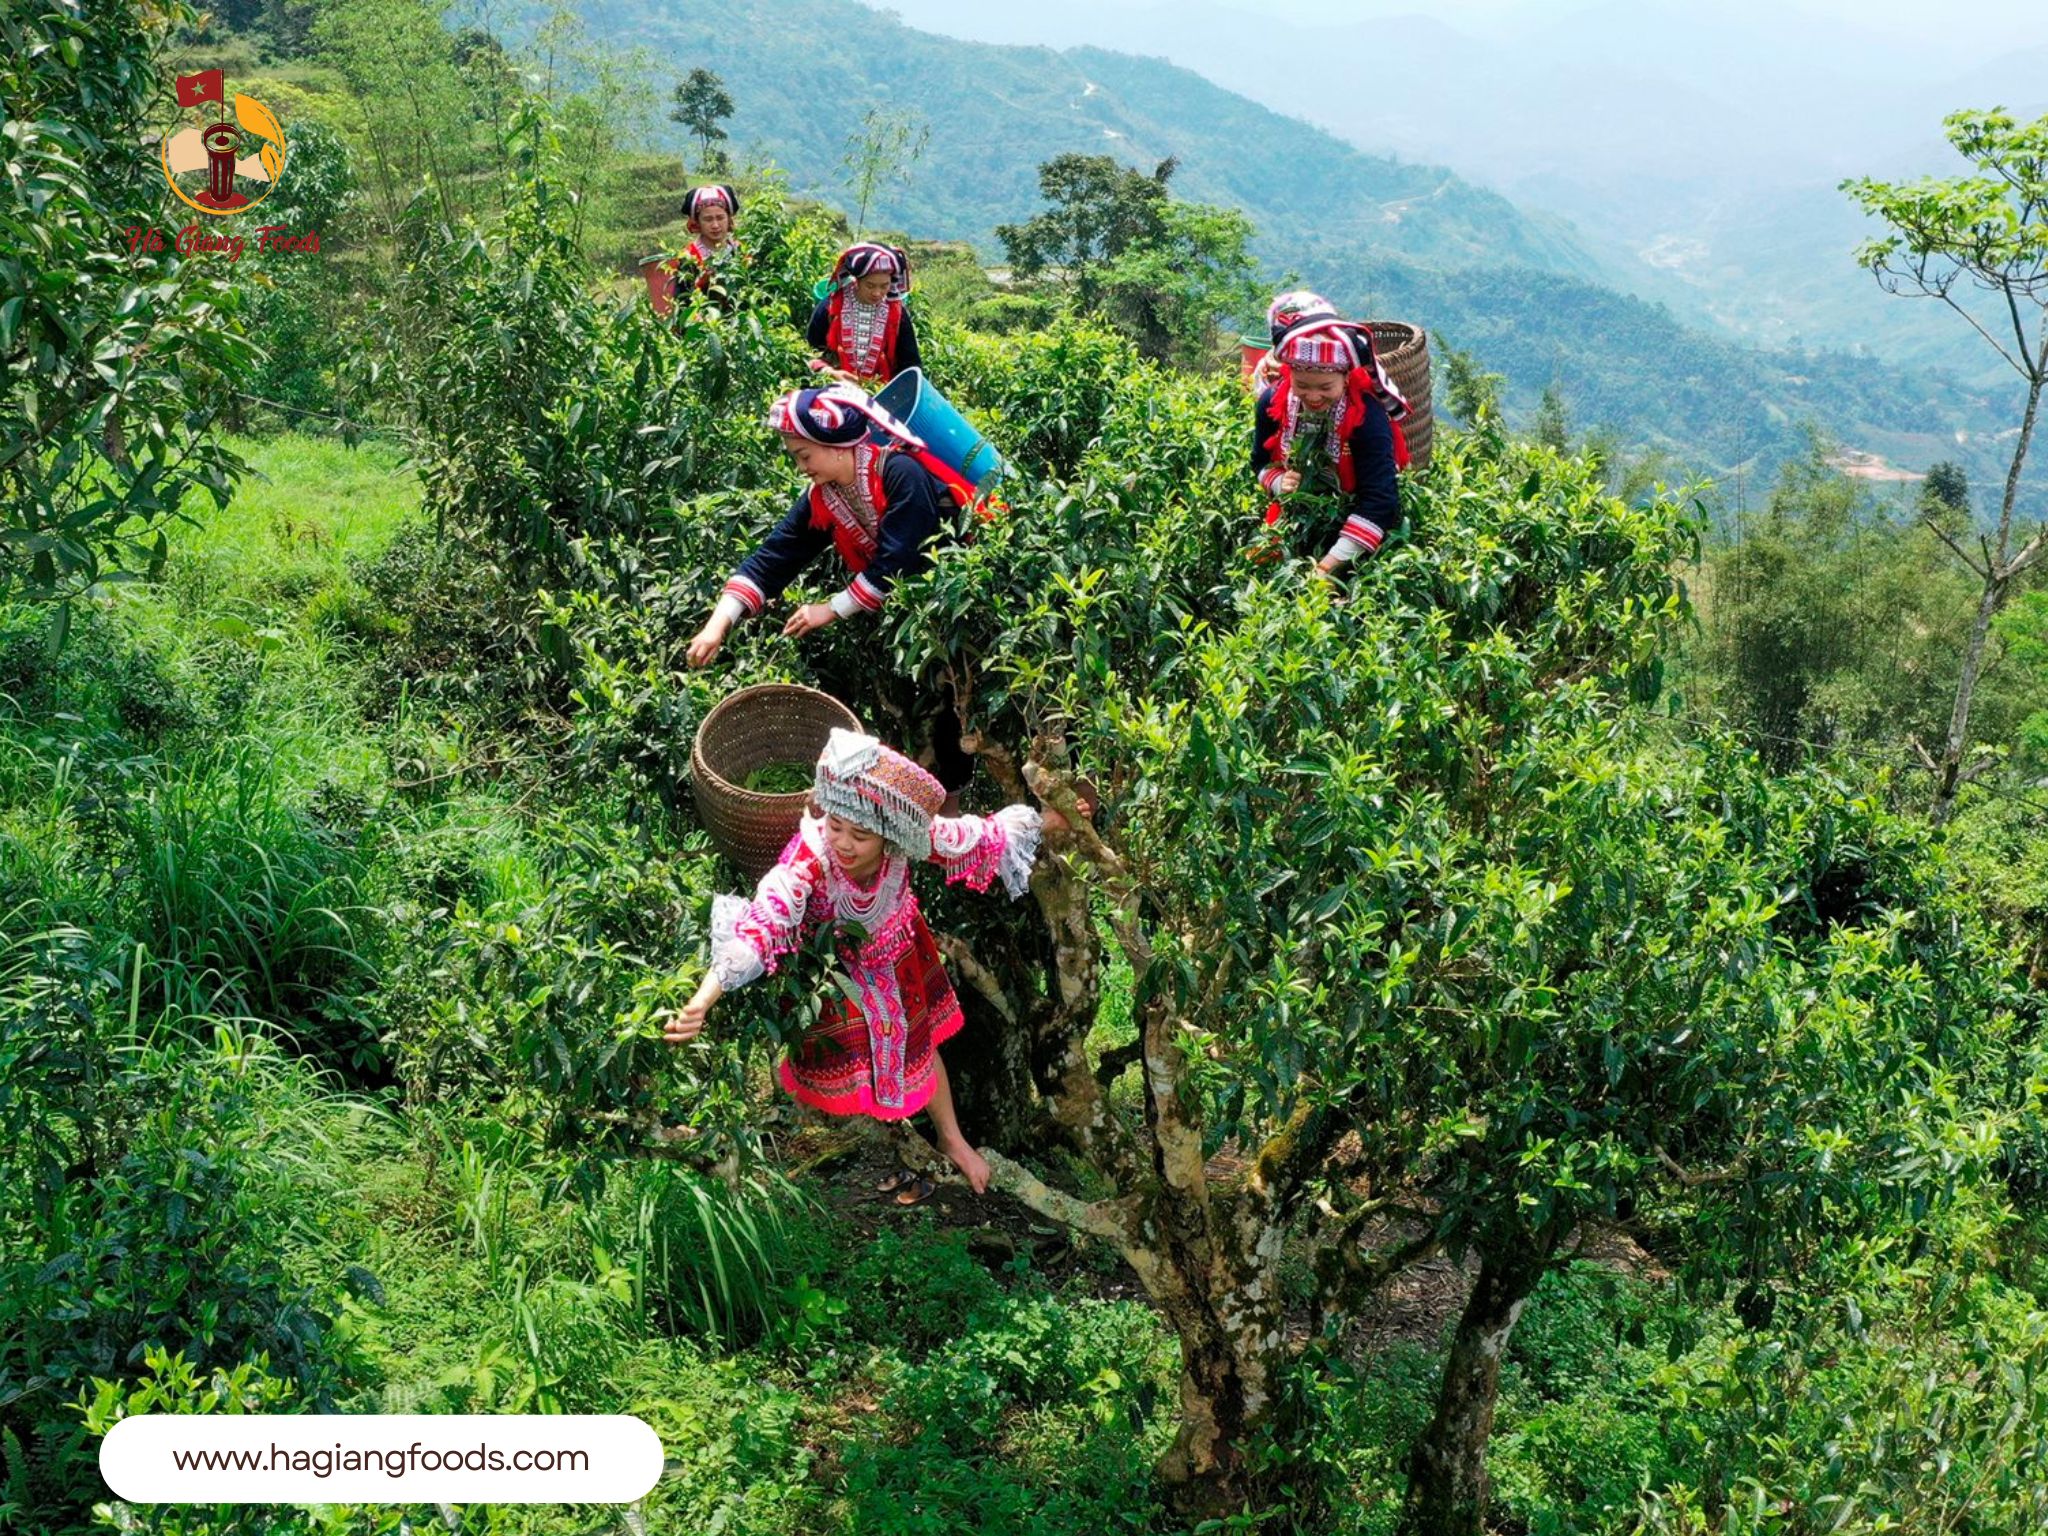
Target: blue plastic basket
[912,400]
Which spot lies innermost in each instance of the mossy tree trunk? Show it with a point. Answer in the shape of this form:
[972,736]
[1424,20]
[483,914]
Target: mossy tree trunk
[1447,1485]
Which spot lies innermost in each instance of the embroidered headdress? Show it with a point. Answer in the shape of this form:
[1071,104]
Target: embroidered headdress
[1290,309]
[839,417]
[714,195]
[1339,346]
[878,788]
[857,261]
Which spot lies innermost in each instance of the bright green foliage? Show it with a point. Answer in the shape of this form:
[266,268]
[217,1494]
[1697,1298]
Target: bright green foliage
[702,104]
[1413,872]
[2001,844]
[430,133]
[1414,897]
[2024,630]
[880,152]
[150,1219]
[1987,230]
[1918,1405]
[1990,227]
[298,310]
[1828,622]
[1042,396]
[567,451]
[1166,273]
[549,986]
[114,362]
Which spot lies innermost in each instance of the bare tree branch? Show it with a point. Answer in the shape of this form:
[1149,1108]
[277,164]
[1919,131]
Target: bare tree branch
[1960,553]
[2028,555]
[979,976]
[1686,1178]
[1096,1219]
[1118,1060]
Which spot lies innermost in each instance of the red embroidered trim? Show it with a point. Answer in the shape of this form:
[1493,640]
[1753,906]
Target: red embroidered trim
[1367,533]
[884,362]
[865,593]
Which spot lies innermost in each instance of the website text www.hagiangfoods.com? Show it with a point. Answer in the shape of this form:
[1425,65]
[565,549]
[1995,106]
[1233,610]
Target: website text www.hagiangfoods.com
[381,1457]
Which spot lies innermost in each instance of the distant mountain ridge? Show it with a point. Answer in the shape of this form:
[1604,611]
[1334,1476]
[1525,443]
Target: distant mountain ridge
[1379,235]
[1695,150]
[801,71]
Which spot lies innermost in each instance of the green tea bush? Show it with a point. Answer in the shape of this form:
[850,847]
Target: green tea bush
[916,1289]
[1036,1416]
[567,452]
[144,1214]
[1921,1405]
[1042,395]
[547,986]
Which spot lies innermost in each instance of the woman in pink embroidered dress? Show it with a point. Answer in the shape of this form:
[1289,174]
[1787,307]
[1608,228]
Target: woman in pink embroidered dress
[874,813]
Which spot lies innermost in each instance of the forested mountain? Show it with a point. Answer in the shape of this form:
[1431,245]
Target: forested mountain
[1378,234]
[802,72]
[1699,166]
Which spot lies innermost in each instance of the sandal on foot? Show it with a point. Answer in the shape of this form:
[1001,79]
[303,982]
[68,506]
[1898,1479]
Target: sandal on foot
[894,1181]
[916,1192]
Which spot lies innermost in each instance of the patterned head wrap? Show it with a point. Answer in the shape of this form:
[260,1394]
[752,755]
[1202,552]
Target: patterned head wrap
[838,416]
[1339,346]
[714,195]
[878,788]
[857,261]
[1290,309]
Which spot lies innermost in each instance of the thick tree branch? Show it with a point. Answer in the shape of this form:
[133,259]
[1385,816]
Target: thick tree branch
[1056,789]
[1097,1219]
[978,976]
[1346,1279]
[1291,1154]
[2029,554]
[1117,1060]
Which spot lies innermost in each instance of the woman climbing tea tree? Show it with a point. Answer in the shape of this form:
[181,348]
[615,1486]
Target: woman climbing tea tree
[873,814]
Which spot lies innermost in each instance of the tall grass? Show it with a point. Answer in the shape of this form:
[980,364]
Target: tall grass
[242,901]
[716,1256]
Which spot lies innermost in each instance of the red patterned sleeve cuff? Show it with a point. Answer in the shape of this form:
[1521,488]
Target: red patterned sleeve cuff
[745,593]
[865,594]
[1270,475]
[1364,531]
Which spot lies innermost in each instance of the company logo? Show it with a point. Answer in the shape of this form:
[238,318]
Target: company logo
[221,167]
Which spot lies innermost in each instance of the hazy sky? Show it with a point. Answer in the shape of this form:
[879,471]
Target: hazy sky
[1982,29]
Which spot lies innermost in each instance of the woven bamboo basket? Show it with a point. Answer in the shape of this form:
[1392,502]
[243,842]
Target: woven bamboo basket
[754,728]
[1404,353]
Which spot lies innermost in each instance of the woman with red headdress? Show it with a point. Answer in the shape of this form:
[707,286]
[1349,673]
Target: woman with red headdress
[880,498]
[862,329]
[1326,424]
[708,213]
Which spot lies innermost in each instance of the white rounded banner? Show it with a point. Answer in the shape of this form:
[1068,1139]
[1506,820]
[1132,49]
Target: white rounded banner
[381,1458]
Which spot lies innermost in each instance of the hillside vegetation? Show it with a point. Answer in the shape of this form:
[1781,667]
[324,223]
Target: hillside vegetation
[1508,1050]
[1378,235]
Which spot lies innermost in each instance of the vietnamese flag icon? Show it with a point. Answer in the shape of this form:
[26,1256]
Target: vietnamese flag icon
[202,87]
